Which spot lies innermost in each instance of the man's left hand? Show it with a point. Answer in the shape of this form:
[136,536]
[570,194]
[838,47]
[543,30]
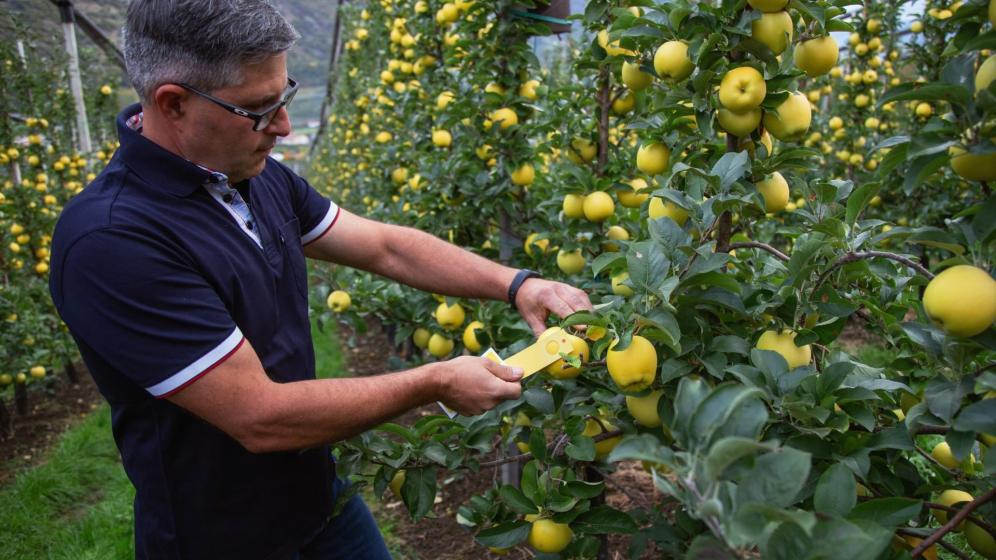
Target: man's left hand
[537,298]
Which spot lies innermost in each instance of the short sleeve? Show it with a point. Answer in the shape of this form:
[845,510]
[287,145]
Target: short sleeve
[143,309]
[315,213]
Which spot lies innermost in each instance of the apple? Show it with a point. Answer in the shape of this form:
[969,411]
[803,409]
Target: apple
[652,158]
[961,300]
[659,209]
[791,119]
[570,262]
[671,61]
[774,30]
[817,56]
[775,190]
[631,198]
[742,89]
[574,205]
[784,343]
[739,124]
[634,78]
[986,74]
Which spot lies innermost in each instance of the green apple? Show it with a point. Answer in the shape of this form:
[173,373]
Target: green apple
[671,61]
[775,190]
[739,124]
[742,89]
[791,119]
[774,30]
[962,300]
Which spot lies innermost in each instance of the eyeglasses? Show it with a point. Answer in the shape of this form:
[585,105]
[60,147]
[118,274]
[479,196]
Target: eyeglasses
[260,119]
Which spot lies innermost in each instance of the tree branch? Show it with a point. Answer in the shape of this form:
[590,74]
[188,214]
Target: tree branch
[556,447]
[852,257]
[953,522]
[950,548]
[758,245]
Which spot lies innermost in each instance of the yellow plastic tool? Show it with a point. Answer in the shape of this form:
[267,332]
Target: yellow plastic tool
[540,354]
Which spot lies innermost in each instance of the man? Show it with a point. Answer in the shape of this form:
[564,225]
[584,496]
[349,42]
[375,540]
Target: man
[180,272]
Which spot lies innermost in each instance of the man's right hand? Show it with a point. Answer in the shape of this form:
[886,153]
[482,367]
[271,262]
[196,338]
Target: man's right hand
[472,385]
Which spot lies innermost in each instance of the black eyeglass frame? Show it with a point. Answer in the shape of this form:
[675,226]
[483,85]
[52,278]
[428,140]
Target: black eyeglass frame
[256,117]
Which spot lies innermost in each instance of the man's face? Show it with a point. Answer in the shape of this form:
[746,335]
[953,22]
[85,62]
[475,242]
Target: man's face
[226,142]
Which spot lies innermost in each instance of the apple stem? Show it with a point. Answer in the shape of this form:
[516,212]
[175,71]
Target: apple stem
[953,522]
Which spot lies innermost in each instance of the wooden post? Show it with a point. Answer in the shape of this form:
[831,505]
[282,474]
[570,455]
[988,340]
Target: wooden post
[75,82]
[332,77]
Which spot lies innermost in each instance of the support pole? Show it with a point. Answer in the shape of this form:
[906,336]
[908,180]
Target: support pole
[75,82]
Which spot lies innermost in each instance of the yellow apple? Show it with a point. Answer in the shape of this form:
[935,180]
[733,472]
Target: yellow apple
[561,369]
[784,343]
[634,78]
[613,48]
[397,482]
[598,206]
[582,150]
[980,540]
[574,205]
[974,167]
[528,90]
[634,368]
[790,121]
[470,337]
[742,89]
[523,175]
[602,448]
[618,287]
[442,138]
[616,233]
[570,262]
[421,337]
[950,498]
[440,346]
[450,316]
[505,117]
[644,409]
[816,56]
[532,240]
[986,74]
[624,103]
[671,61]
[775,190]
[942,453]
[338,301]
[652,158]
[660,209]
[774,30]
[739,124]
[961,300]
[444,99]
[549,537]
[992,12]
[631,198]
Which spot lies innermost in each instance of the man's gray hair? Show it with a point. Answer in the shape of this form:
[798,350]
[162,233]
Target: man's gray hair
[203,43]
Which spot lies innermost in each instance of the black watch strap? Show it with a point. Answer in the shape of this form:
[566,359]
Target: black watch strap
[521,277]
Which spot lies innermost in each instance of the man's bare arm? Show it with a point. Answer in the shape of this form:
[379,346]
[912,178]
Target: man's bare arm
[238,398]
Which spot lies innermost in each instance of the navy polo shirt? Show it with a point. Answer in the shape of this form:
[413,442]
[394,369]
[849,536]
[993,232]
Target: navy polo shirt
[159,280]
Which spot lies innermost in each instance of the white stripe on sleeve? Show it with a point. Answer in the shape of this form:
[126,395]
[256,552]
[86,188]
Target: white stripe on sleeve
[201,366]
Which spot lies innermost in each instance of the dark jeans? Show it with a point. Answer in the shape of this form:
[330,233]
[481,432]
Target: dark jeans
[353,534]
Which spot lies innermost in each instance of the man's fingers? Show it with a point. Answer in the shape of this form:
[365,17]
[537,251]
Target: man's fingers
[505,373]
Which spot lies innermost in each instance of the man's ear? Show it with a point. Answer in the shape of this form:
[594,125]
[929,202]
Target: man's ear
[170,101]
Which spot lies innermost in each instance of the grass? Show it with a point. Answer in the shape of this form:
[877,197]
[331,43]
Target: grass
[77,504]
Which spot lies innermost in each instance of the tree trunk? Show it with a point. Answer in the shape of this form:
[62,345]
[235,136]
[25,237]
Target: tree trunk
[21,398]
[6,422]
[72,373]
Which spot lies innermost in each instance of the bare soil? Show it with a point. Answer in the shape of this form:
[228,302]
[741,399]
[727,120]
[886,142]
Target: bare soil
[60,406]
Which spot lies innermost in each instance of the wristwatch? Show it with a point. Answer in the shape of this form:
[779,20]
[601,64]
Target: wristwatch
[520,277]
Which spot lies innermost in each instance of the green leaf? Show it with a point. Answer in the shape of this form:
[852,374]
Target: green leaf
[584,490]
[836,491]
[729,450]
[606,260]
[641,447]
[776,478]
[717,407]
[859,199]
[419,491]
[581,448]
[516,500]
[730,168]
[539,399]
[529,482]
[505,535]
[887,512]
[691,392]
[602,520]
[926,92]
[978,417]
[984,223]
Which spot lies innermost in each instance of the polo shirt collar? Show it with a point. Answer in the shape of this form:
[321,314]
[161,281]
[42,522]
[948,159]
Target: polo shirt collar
[158,166]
